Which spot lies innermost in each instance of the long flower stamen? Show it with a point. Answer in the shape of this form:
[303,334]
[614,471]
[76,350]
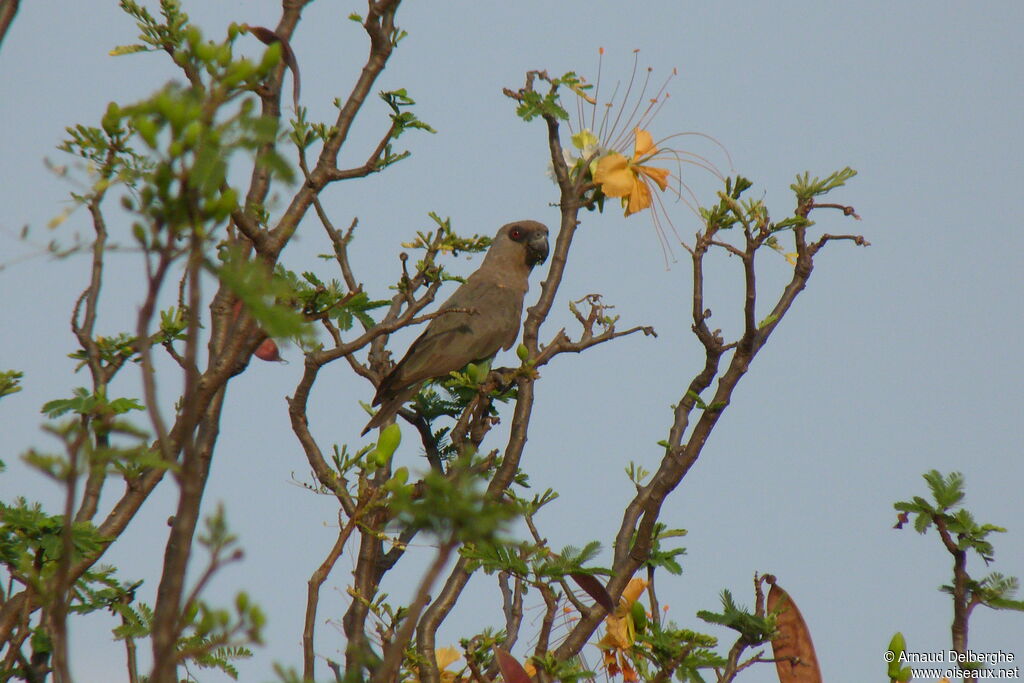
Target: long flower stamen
[632,118]
[625,98]
[621,158]
[597,87]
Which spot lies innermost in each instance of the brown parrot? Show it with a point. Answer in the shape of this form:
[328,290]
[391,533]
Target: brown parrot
[493,301]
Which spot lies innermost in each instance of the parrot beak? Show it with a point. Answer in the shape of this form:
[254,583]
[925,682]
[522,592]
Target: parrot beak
[537,249]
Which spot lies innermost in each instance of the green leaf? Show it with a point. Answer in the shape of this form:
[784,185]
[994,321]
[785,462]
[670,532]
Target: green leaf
[755,630]
[10,382]
[128,49]
[897,646]
[806,188]
[265,295]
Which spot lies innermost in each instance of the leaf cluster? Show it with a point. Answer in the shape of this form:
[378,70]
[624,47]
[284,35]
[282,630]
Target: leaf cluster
[733,210]
[173,148]
[533,104]
[807,188]
[270,297]
[98,440]
[10,382]
[156,35]
[562,670]
[445,240]
[665,558]
[401,121]
[995,590]
[32,545]
[214,636]
[453,505]
[535,562]
[659,647]
[317,299]
[947,492]
[89,404]
[754,630]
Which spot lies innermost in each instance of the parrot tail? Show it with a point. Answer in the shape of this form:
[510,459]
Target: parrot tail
[389,408]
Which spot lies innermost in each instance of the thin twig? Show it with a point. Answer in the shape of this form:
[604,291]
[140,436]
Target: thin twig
[395,651]
[313,596]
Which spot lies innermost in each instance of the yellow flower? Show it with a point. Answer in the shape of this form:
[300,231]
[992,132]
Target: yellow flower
[621,632]
[588,145]
[585,141]
[629,178]
[445,657]
[621,122]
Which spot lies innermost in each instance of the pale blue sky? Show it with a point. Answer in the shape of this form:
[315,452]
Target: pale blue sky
[897,359]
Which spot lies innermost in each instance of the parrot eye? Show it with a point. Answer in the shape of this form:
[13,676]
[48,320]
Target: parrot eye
[516,233]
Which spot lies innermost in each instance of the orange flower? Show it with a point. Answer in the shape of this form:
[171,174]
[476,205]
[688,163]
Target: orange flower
[608,127]
[621,632]
[445,657]
[629,178]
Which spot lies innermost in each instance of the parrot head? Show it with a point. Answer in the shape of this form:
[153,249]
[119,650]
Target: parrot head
[533,237]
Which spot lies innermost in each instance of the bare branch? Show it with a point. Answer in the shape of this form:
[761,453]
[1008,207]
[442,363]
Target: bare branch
[386,327]
[562,344]
[728,247]
[216,564]
[395,651]
[8,8]
[847,210]
[435,614]
[145,316]
[58,610]
[374,162]
[340,243]
[430,445]
[300,426]
[641,515]
[313,596]
[259,184]
[961,605]
[512,606]
[379,25]
[856,239]
[248,226]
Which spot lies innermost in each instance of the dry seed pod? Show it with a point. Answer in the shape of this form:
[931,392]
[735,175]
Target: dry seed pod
[793,649]
[268,351]
[511,670]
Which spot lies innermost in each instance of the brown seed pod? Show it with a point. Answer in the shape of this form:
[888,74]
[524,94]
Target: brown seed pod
[268,351]
[793,649]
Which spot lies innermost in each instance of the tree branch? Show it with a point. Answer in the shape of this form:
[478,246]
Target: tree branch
[313,596]
[8,8]
[395,651]
[379,25]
